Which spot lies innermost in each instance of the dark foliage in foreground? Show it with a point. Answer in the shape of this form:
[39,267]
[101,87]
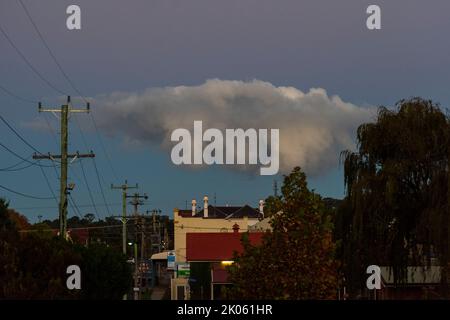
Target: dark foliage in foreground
[33,265]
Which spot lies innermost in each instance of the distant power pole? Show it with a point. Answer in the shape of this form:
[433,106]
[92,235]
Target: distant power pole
[136,202]
[65,111]
[155,234]
[124,187]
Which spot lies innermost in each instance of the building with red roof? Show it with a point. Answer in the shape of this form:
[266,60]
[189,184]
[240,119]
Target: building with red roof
[211,253]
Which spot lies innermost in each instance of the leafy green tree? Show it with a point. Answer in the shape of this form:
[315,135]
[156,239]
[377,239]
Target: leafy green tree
[396,209]
[296,259]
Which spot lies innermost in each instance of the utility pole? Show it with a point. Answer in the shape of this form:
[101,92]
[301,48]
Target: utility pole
[136,202]
[155,234]
[124,187]
[65,111]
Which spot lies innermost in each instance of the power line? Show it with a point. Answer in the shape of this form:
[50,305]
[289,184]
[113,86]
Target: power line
[95,167]
[96,170]
[89,189]
[18,135]
[30,65]
[33,148]
[74,205]
[22,158]
[16,96]
[77,228]
[55,207]
[108,158]
[14,169]
[81,133]
[99,139]
[73,87]
[69,80]
[24,141]
[100,186]
[50,51]
[52,132]
[48,184]
[25,195]
[65,111]
[12,166]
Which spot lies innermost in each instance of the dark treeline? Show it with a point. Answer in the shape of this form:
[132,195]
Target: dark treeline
[34,264]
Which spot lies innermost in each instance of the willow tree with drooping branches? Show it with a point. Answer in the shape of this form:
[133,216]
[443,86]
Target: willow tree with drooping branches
[396,210]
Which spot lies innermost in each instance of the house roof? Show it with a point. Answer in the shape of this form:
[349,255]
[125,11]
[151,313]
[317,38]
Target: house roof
[79,235]
[160,255]
[216,246]
[223,212]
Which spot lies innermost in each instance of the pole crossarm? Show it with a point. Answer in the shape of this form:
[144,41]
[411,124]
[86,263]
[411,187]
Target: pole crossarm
[58,156]
[65,110]
[70,109]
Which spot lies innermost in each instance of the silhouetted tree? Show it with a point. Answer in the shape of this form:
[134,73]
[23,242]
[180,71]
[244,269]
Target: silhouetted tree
[296,259]
[396,209]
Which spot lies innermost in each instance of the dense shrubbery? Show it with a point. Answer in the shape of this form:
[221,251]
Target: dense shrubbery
[33,265]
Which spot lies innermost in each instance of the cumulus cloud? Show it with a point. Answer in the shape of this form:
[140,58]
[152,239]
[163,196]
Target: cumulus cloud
[314,127]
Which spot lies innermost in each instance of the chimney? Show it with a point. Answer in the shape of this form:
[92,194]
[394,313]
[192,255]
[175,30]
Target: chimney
[205,207]
[194,207]
[261,208]
[236,228]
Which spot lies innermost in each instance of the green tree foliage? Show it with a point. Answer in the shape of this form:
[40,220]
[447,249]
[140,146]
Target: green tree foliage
[396,209]
[295,260]
[33,265]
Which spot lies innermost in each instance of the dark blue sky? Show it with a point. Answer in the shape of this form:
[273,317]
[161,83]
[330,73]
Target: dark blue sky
[130,46]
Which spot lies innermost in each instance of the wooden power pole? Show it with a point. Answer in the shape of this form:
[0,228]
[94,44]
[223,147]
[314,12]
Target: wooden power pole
[63,157]
[124,187]
[136,202]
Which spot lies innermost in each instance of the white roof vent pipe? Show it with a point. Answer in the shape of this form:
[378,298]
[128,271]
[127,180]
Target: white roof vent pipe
[205,207]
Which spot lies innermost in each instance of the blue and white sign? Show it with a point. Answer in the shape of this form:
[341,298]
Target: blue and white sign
[171,260]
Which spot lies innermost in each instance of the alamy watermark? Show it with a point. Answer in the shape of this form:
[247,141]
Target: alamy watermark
[189,149]
[374,280]
[74,280]
[373,22]
[73,21]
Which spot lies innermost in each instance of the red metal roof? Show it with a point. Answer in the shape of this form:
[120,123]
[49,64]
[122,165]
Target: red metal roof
[79,235]
[216,246]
